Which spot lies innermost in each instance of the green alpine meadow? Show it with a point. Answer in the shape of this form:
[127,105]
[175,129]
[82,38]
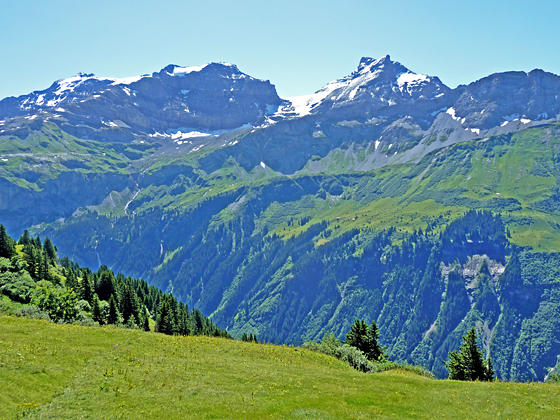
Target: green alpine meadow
[68,371]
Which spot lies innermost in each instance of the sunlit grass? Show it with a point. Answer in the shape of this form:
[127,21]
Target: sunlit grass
[62,371]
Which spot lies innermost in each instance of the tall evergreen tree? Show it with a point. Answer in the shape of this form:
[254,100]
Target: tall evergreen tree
[198,322]
[105,285]
[129,304]
[43,268]
[49,250]
[96,313]
[114,316]
[86,288]
[165,320]
[183,322]
[365,338]
[25,238]
[33,259]
[467,364]
[72,281]
[146,325]
[374,350]
[7,248]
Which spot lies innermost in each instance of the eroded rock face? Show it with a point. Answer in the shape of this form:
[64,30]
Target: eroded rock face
[213,97]
[502,98]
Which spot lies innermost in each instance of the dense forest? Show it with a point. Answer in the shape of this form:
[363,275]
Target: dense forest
[43,285]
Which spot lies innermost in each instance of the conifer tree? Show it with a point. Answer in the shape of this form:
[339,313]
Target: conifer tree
[374,350]
[489,370]
[114,316]
[183,326]
[72,281]
[96,310]
[365,338]
[49,250]
[467,364]
[33,260]
[7,248]
[129,304]
[25,238]
[146,325]
[86,289]
[43,268]
[198,321]
[105,286]
[165,320]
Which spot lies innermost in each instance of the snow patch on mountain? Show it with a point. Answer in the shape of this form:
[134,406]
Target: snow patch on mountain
[405,80]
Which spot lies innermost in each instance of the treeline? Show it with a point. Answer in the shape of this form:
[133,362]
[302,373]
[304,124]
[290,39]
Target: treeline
[361,350]
[31,273]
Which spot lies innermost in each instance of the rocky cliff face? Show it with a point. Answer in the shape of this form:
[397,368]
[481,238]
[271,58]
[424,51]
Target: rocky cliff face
[216,97]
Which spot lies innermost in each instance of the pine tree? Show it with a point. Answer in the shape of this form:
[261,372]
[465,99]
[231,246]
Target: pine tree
[374,350]
[489,370]
[105,286]
[33,259]
[165,320]
[114,316]
[146,325]
[365,338]
[96,310]
[198,321]
[25,238]
[43,268]
[129,304]
[357,336]
[468,364]
[7,248]
[244,337]
[183,324]
[86,289]
[72,281]
[49,250]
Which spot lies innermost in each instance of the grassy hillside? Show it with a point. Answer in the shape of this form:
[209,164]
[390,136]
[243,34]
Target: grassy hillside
[62,371]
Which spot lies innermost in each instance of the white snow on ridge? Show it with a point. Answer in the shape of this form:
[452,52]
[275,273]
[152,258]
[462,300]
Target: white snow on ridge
[126,80]
[303,105]
[179,70]
[451,112]
[187,70]
[188,135]
[343,89]
[63,87]
[515,117]
[411,78]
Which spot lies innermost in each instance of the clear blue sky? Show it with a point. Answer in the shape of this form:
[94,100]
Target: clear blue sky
[298,45]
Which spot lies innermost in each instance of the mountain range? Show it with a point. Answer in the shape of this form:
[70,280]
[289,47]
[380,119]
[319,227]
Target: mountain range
[385,195]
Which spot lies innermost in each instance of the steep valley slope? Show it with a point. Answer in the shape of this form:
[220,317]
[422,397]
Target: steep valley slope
[385,195]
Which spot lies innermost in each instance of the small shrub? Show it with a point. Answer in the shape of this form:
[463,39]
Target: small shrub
[59,303]
[354,357]
[83,306]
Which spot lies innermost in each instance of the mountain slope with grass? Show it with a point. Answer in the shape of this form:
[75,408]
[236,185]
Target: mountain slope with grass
[385,196]
[71,371]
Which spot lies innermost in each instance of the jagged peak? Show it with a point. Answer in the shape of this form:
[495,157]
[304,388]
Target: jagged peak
[372,62]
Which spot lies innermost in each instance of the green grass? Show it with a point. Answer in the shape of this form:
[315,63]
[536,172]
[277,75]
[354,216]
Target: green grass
[63,371]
